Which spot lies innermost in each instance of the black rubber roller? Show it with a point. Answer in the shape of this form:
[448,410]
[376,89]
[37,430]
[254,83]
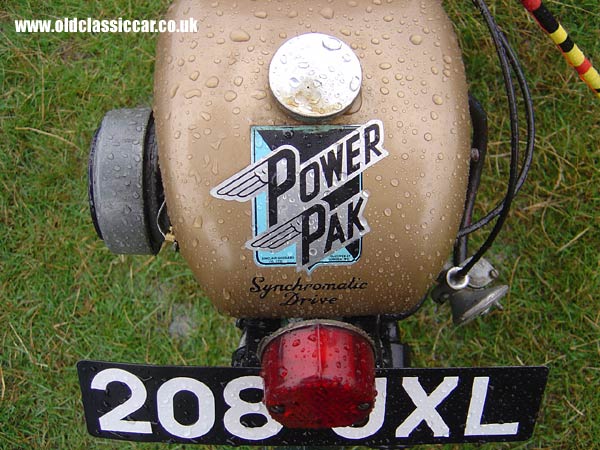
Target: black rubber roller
[125,188]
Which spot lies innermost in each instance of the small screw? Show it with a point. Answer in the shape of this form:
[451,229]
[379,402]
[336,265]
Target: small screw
[474,154]
[364,406]
[277,409]
[494,274]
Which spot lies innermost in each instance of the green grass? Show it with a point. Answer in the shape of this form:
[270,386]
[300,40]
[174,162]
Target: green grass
[64,297]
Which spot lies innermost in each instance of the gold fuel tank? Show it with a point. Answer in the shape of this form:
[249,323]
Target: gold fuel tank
[323,212]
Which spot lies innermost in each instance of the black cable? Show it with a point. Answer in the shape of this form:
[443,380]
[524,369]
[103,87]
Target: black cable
[514,141]
[529,149]
[478,144]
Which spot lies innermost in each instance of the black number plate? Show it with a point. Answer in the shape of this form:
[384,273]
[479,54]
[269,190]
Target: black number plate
[222,405]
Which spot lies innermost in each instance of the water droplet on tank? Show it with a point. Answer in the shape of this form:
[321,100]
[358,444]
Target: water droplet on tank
[198,221]
[230,96]
[193,93]
[355,83]
[259,94]
[239,35]
[437,99]
[212,82]
[416,39]
[387,212]
[428,137]
[261,14]
[327,13]
[394,182]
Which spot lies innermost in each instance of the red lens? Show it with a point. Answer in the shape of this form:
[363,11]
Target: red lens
[319,375]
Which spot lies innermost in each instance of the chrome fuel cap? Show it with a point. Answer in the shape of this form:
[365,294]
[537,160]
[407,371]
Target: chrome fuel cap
[315,76]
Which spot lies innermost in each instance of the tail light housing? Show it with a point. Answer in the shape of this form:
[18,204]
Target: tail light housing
[318,374]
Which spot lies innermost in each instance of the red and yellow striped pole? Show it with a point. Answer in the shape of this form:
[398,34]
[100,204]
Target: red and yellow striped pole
[560,37]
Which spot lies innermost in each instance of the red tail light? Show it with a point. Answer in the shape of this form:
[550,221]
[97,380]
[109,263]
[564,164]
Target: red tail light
[319,374]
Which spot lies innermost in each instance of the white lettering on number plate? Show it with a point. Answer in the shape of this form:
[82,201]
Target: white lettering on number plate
[425,408]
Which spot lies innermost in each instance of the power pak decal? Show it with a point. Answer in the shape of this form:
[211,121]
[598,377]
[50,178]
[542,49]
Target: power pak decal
[306,188]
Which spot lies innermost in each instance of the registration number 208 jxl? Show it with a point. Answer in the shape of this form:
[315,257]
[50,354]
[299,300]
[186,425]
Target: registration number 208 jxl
[223,406]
